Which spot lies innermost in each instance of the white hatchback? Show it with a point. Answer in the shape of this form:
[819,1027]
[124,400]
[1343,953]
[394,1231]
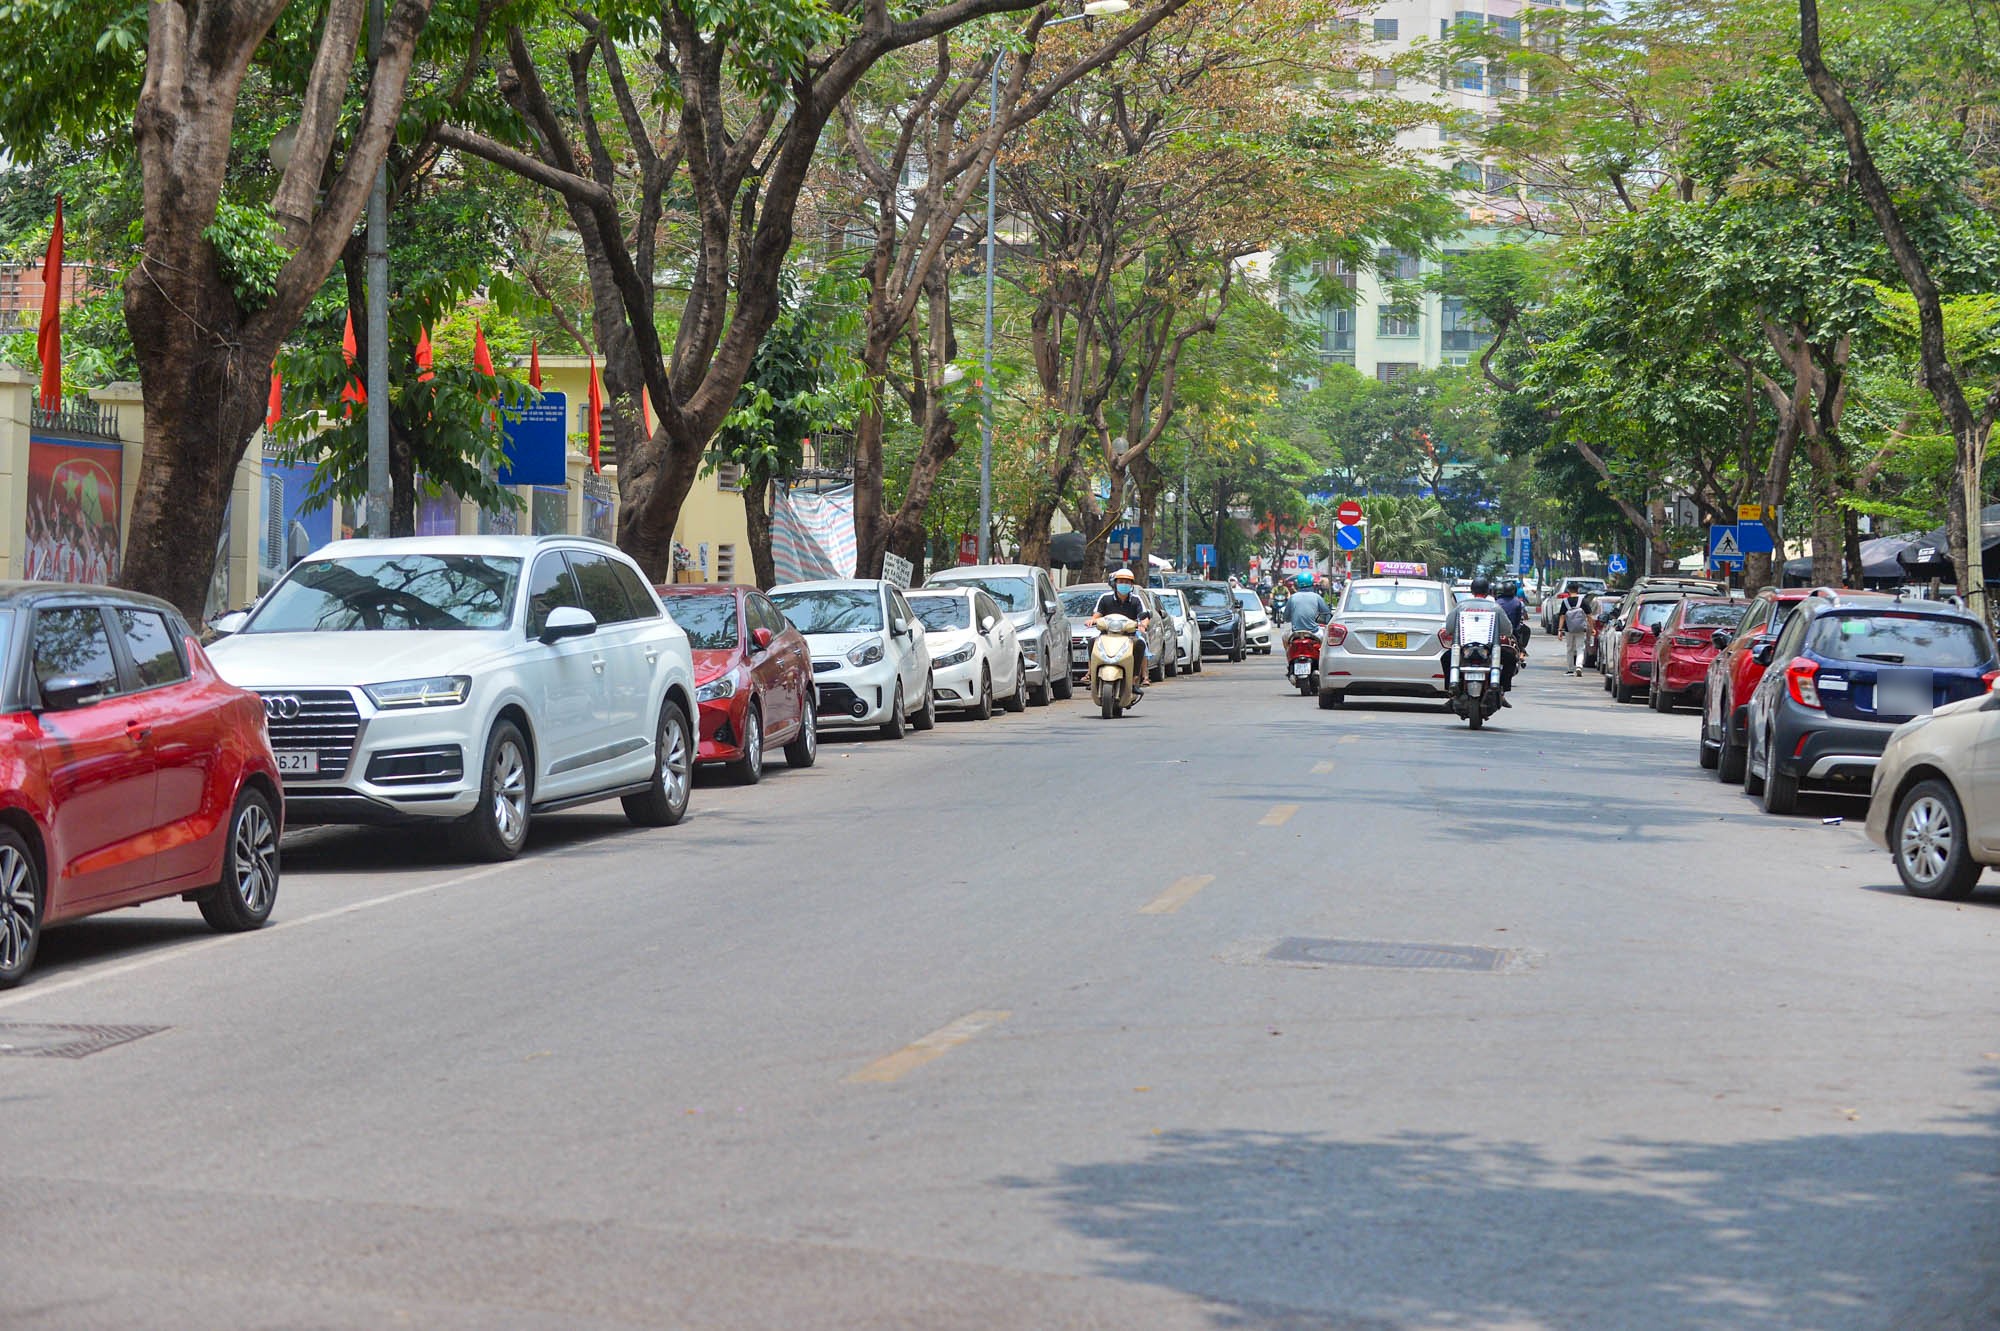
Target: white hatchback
[976,652]
[871,665]
[475,680]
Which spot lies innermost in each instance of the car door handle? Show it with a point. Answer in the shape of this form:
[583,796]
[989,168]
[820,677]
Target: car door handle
[597,664]
[139,734]
[652,656]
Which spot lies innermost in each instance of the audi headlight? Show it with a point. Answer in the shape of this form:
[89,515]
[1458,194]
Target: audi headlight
[959,657]
[867,653]
[1117,649]
[435,691]
[716,689]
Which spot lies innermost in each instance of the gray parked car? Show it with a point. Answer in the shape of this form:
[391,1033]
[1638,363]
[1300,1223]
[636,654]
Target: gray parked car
[1030,601]
[1162,645]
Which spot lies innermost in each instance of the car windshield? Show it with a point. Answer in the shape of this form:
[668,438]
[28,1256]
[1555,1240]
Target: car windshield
[1652,614]
[1082,600]
[1172,604]
[1396,600]
[940,613]
[832,610]
[709,619]
[391,592]
[1892,639]
[1710,616]
[1586,584]
[1011,593]
[1209,598]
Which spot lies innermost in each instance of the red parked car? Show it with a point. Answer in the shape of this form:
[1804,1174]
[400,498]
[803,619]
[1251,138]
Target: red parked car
[753,677]
[1688,641]
[1627,647]
[129,770]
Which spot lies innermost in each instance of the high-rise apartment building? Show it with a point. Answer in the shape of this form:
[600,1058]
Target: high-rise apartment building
[1384,333]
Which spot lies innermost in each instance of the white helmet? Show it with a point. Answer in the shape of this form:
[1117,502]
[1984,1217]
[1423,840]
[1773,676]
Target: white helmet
[1123,575]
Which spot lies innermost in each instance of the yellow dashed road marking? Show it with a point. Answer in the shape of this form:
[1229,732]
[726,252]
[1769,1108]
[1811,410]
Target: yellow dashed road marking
[1178,895]
[1279,815]
[938,1043]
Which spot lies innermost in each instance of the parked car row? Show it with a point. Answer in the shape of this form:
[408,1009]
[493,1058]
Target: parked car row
[1876,694]
[472,684]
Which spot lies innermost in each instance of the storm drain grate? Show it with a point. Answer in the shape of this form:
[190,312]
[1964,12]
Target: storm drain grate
[1399,956]
[34,1039]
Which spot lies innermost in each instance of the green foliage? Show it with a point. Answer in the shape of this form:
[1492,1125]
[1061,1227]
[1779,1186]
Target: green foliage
[804,378]
[247,252]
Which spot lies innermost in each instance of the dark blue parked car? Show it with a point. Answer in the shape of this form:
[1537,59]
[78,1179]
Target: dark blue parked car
[1843,674]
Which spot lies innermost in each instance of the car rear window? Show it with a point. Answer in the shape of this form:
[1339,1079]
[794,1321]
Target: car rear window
[1898,639]
[1713,616]
[1397,600]
[1654,613]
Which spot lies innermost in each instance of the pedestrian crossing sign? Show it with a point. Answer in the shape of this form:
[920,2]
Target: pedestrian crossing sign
[1723,546]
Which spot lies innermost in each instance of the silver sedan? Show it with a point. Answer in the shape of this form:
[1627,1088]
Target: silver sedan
[1384,640]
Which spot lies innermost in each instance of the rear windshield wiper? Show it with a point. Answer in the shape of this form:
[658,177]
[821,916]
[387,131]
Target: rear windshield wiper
[1887,658]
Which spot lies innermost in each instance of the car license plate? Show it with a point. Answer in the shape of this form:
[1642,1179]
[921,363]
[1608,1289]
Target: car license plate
[1301,668]
[1079,654]
[297,762]
[1392,642]
[1903,696]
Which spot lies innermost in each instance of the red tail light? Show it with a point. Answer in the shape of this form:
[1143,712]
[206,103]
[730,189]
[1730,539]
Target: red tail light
[1336,634]
[1690,642]
[1444,637]
[1989,679]
[1799,677]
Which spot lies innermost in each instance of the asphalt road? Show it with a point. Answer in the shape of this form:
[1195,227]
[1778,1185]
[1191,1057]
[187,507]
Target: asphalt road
[984,1029]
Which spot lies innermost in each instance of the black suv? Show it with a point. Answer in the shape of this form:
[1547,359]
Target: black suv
[1841,675]
[1220,617]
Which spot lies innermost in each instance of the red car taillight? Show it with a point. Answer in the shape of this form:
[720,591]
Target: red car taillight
[1799,677]
[1336,634]
[1690,642]
[1989,679]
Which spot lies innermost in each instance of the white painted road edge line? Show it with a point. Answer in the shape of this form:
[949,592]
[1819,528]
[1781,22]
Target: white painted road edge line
[172,953]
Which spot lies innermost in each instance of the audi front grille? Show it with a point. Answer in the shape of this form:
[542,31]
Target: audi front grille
[325,721]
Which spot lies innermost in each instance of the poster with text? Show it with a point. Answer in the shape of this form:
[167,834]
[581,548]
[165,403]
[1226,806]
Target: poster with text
[72,510]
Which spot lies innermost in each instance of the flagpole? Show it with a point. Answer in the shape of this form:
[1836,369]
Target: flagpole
[378,318]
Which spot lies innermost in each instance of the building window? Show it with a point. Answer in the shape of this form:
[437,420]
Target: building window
[1385,78]
[1508,29]
[1336,333]
[725,563]
[1470,76]
[1337,270]
[729,476]
[1389,371]
[1396,321]
[1498,181]
[1459,330]
[1395,266]
[1387,29]
[1470,173]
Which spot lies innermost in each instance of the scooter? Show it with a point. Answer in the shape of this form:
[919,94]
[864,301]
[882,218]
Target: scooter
[1302,661]
[1473,664]
[1111,665]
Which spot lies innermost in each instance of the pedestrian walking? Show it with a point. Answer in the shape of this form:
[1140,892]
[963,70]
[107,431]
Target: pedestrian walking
[1576,634]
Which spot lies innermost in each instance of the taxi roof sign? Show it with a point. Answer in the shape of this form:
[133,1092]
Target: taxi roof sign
[1388,568]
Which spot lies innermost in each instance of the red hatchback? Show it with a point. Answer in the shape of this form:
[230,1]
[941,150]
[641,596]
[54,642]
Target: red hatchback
[129,770]
[1628,650]
[1688,641]
[753,677]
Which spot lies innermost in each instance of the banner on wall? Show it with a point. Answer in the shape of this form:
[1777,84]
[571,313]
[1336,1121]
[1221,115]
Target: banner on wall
[288,533]
[72,510]
[538,443]
[812,535]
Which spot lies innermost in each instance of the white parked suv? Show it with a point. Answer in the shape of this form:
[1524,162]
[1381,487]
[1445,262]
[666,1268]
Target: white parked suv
[478,680]
[871,665]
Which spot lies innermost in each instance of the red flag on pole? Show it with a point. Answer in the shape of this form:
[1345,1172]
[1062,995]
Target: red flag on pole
[356,391]
[276,408]
[535,365]
[645,415]
[482,359]
[596,419]
[424,372]
[48,339]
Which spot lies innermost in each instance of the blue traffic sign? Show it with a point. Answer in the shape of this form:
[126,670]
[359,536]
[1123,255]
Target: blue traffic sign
[1724,549]
[1617,564]
[1754,538]
[1204,555]
[1350,538]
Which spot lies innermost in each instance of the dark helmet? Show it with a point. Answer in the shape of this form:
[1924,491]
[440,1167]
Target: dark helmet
[1513,589]
[1482,585]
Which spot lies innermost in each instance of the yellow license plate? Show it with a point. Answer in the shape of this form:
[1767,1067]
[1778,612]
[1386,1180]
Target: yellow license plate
[1392,642]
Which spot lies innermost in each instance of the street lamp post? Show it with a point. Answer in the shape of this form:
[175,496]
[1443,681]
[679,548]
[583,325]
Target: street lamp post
[1091,9]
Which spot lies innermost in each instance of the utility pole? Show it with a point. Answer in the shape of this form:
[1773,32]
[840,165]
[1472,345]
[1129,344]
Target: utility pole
[986,350]
[377,256]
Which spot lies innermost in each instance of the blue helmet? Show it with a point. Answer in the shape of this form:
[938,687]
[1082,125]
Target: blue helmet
[1305,581]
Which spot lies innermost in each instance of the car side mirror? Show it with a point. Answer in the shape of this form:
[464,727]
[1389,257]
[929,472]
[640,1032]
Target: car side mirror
[1720,638]
[224,625]
[986,624]
[1763,652]
[568,621]
[900,627]
[762,637]
[66,693]
[1050,607]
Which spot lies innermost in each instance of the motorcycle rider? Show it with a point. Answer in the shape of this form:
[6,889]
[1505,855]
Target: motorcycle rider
[1123,599]
[1482,599]
[1516,606]
[1307,609]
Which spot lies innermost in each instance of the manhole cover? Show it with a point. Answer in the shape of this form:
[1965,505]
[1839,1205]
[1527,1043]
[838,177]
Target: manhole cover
[1400,956]
[33,1039]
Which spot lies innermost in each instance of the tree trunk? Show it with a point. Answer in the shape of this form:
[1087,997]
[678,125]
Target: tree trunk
[871,524]
[757,518]
[402,481]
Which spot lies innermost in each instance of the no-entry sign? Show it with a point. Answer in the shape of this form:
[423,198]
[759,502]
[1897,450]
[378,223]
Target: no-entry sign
[1349,513]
